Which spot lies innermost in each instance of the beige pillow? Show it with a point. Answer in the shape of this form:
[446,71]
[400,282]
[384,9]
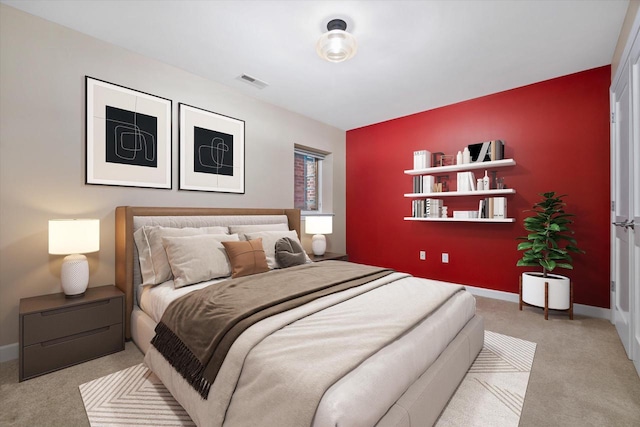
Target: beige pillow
[194,259]
[269,239]
[154,265]
[252,228]
[246,257]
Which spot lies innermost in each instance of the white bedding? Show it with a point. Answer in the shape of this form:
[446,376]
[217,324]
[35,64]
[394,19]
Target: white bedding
[376,383]
[155,300]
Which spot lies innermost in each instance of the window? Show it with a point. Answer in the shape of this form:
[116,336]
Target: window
[308,180]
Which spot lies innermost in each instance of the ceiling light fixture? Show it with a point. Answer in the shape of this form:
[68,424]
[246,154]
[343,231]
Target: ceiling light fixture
[336,45]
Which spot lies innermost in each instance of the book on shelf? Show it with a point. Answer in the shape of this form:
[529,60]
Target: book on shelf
[500,207]
[461,183]
[490,208]
[427,183]
[472,181]
[485,210]
[497,149]
[433,208]
[421,159]
[418,210]
[426,208]
[466,181]
[423,184]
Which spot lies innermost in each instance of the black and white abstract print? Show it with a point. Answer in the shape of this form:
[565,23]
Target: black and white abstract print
[131,138]
[212,152]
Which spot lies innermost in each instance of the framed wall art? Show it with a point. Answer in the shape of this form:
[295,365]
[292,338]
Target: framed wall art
[211,151]
[128,136]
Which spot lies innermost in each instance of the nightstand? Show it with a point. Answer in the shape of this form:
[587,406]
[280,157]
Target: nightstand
[329,256]
[57,332]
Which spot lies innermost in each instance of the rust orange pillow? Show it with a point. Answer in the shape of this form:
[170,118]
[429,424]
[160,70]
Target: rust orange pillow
[246,257]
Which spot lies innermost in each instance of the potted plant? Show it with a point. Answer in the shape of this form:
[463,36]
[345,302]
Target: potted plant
[547,245]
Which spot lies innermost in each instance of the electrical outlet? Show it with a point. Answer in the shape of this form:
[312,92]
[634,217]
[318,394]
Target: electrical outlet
[423,255]
[445,258]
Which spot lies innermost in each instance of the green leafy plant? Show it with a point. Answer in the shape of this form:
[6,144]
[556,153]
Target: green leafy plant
[550,239]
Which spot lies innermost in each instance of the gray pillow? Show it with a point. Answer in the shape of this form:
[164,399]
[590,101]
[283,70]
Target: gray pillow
[289,253]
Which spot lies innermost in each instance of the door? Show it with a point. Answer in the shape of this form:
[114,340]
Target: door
[635,208]
[625,192]
[621,247]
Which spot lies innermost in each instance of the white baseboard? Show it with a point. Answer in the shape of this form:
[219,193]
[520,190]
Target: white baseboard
[581,309]
[490,293]
[591,311]
[8,352]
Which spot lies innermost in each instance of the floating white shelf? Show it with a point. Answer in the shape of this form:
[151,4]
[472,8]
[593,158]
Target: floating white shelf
[450,219]
[463,193]
[462,167]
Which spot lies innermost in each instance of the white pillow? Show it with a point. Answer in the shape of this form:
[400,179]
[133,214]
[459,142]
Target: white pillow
[154,266]
[269,239]
[254,228]
[194,259]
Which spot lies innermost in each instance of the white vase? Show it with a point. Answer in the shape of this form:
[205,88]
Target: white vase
[559,290]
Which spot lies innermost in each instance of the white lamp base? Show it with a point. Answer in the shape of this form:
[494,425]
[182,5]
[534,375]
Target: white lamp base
[318,244]
[74,275]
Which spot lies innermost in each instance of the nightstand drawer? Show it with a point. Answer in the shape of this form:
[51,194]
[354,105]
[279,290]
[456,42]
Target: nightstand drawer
[56,354]
[52,324]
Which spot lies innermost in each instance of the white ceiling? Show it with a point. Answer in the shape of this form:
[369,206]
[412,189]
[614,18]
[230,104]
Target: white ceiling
[412,55]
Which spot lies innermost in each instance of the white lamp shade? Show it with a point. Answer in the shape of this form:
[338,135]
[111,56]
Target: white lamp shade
[74,236]
[318,224]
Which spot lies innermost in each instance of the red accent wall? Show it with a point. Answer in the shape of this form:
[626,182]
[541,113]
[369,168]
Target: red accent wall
[558,133]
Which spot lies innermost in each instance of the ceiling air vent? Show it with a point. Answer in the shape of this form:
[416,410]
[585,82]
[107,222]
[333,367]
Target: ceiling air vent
[252,81]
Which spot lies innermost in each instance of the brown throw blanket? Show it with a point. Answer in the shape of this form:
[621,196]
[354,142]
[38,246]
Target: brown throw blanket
[198,329]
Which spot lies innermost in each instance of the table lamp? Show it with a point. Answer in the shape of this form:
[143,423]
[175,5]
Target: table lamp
[318,226]
[74,237]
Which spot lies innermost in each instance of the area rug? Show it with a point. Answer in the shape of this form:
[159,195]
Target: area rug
[132,397]
[491,394]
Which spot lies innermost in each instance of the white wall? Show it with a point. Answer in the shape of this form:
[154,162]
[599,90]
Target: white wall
[42,70]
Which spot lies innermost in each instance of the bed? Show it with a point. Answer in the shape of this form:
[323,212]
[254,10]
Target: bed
[406,381]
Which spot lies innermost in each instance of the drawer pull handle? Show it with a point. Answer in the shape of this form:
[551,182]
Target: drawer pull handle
[74,336]
[74,308]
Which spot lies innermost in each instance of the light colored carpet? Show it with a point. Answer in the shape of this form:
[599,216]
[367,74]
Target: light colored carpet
[581,376]
[497,379]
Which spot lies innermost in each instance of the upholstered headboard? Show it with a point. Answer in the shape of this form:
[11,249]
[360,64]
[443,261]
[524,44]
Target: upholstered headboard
[129,219]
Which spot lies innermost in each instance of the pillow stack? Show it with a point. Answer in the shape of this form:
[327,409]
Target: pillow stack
[154,265]
[193,255]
